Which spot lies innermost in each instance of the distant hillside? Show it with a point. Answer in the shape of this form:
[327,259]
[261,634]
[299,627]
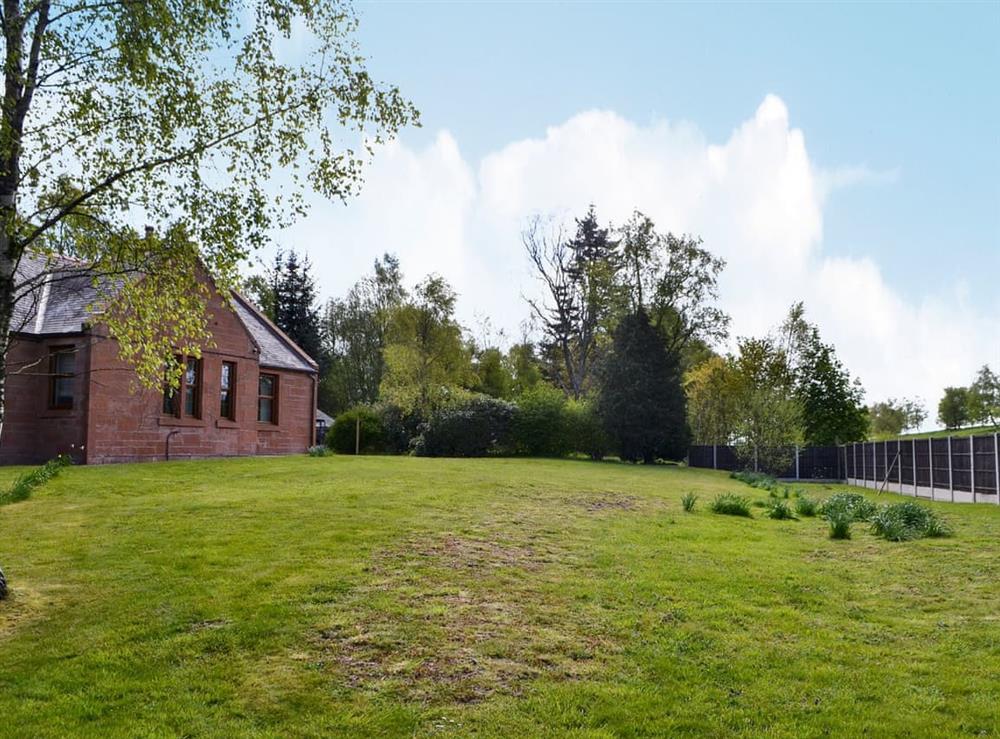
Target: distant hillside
[942,433]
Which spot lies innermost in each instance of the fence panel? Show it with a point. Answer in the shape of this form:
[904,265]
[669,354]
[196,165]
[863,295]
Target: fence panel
[905,473]
[941,464]
[985,466]
[961,464]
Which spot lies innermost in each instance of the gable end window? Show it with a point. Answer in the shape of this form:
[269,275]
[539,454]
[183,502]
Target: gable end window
[186,397]
[227,393]
[267,399]
[192,388]
[62,367]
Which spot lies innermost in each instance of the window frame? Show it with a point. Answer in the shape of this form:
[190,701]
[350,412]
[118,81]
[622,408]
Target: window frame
[196,404]
[178,396]
[55,376]
[273,397]
[230,391]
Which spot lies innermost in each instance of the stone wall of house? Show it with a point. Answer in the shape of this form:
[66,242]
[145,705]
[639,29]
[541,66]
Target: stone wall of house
[113,419]
[33,432]
[127,424]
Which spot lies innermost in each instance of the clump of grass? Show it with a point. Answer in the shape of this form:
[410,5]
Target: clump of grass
[25,483]
[854,506]
[730,504]
[906,521]
[756,480]
[840,524]
[688,501]
[319,451]
[780,510]
[806,507]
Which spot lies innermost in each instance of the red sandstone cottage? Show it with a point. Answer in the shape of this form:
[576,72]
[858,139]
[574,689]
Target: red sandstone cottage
[254,392]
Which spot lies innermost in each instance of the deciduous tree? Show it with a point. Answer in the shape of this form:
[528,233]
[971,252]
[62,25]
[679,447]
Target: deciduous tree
[180,114]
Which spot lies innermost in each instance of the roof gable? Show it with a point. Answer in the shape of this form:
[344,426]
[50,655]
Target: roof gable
[55,294]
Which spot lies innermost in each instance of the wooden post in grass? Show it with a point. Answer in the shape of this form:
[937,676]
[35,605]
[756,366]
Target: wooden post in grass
[357,436]
[864,469]
[715,456]
[797,462]
[913,443]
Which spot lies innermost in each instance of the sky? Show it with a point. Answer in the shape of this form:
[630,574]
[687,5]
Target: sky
[846,155]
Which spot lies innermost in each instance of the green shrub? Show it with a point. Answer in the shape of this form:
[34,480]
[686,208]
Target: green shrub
[28,481]
[478,428]
[730,504]
[780,510]
[840,524]
[399,427]
[906,521]
[805,507]
[688,501]
[318,451]
[854,506]
[540,426]
[584,429]
[341,436]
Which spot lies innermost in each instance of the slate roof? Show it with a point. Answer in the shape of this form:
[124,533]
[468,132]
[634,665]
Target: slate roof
[56,295]
[276,349]
[51,295]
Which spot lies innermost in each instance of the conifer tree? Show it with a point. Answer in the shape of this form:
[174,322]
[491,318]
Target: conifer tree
[642,402]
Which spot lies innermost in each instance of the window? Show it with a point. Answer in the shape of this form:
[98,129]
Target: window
[227,407]
[192,388]
[267,399]
[62,365]
[189,391]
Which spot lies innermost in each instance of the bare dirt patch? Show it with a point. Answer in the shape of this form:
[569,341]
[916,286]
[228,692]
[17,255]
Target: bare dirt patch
[453,618]
[608,502]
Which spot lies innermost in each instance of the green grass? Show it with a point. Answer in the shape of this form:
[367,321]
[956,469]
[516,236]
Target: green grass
[403,596]
[942,433]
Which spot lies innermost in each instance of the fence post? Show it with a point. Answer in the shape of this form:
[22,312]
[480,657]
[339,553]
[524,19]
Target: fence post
[914,453]
[874,465]
[854,468]
[715,456]
[972,465]
[797,462]
[930,463]
[885,461]
[899,464]
[951,478]
[864,467]
[996,464]
[357,436]
[756,465]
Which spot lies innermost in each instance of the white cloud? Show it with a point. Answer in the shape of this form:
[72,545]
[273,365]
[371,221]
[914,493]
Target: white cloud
[756,199]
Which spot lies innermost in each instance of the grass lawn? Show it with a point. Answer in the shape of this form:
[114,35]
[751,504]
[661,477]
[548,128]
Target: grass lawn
[944,433]
[405,596]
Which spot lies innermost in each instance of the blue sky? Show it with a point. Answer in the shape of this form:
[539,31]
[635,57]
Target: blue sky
[913,89]
[845,155]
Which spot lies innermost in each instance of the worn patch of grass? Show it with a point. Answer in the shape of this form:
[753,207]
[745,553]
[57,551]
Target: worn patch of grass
[360,596]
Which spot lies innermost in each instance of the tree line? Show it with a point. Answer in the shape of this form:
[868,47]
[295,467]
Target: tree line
[625,328]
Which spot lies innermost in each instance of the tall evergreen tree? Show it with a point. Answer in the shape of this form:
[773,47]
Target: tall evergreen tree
[295,308]
[286,294]
[642,402]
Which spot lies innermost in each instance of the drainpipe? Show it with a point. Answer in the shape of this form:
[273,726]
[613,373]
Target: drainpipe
[175,431]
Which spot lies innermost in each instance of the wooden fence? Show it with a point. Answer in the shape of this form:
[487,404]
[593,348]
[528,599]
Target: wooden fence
[962,469]
[807,463]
